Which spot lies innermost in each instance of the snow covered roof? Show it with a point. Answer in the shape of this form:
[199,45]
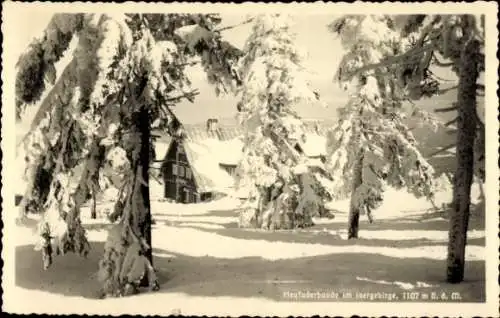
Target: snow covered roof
[205,152]
[225,143]
[227,152]
[208,175]
[199,132]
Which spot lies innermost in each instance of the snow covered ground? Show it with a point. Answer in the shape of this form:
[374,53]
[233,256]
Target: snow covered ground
[207,265]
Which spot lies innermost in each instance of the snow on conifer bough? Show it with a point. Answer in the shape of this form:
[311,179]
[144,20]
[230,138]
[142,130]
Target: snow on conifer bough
[391,59]
[126,74]
[92,131]
[282,190]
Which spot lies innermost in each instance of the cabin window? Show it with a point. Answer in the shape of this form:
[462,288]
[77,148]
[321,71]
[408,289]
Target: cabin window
[182,158]
[180,171]
[174,169]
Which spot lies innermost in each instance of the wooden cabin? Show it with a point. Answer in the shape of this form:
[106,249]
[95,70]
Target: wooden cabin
[193,167]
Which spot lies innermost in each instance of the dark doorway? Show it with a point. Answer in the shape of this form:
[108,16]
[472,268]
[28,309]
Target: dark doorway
[187,196]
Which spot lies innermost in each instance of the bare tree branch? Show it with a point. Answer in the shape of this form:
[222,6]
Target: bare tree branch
[446,109]
[446,90]
[451,122]
[192,63]
[443,149]
[187,95]
[439,77]
[235,25]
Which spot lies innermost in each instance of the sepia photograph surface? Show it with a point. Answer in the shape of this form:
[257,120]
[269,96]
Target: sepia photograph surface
[250,159]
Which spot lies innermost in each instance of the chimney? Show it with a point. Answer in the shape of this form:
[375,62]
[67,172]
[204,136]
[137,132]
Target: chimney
[212,126]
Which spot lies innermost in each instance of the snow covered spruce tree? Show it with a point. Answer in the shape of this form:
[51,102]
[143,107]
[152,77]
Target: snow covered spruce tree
[461,45]
[93,129]
[457,42]
[284,192]
[372,146]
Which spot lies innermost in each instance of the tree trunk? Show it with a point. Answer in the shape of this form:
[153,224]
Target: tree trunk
[132,258]
[466,125]
[354,211]
[141,206]
[84,186]
[264,198]
[93,211]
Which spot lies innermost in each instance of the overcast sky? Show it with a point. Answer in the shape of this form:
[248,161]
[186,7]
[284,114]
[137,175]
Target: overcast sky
[324,53]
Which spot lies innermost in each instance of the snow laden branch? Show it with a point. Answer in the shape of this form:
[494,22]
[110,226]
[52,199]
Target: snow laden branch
[372,147]
[92,133]
[424,39]
[219,58]
[36,66]
[400,59]
[70,130]
[282,192]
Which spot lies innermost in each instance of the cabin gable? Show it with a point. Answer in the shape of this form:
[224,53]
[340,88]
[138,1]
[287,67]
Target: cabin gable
[180,184]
